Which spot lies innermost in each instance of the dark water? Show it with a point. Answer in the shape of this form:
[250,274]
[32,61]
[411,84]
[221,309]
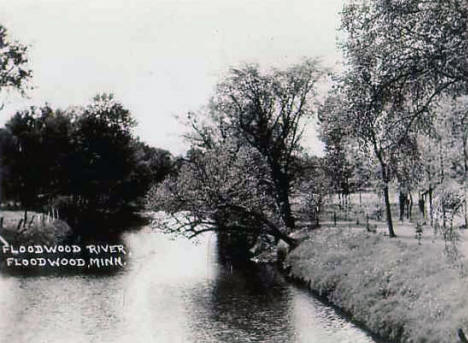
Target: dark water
[170,291]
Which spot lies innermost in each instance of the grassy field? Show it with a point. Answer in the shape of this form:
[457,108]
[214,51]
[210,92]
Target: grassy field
[407,289]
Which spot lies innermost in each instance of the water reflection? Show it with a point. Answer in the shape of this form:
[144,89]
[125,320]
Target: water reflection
[171,291]
[249,305]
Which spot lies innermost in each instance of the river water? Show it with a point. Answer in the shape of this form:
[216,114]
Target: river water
[170,291]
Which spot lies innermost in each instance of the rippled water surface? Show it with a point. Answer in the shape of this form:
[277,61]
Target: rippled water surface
[170,291]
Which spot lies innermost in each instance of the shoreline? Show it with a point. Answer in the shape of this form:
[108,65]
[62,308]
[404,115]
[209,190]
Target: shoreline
[416,297]
[302,284]
[37,228]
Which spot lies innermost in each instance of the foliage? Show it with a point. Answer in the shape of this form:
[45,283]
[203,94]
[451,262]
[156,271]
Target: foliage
[314,184]
[14,69]
[333,134]
[401,57]
[238,175]
[265,110]
[86,160]
[225,188]
[38,137]
[104,156]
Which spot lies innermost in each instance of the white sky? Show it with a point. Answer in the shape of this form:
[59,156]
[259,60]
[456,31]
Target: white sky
[160,58]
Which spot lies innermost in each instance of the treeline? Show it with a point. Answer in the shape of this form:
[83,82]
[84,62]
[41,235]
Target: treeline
[85,161]
[398,113]
[395,117]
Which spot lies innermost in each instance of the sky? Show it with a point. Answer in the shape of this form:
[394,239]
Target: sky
[161,58]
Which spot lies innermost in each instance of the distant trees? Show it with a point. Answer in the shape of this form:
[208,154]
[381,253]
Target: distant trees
[313,185]
[445,153]
[239,173]
[39,137]
[84,160]
[458,128]
[334,133]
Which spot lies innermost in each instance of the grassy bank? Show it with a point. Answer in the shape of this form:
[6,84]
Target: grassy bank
[36,228]
[398,289]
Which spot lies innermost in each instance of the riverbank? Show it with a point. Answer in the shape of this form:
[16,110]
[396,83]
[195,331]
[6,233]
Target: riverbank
[35,228]
[397,288]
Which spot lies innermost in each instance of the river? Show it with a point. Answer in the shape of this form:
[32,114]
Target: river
[170,291]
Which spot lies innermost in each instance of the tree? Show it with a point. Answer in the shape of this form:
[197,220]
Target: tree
[14,74]
[152,165]
[458,122]
[452,136]
[224,188]
[25,184]
[334,135]
[315,184]
[238,175]
[401,56]
[265,111]
[104,155]
[422,43]
[14,69]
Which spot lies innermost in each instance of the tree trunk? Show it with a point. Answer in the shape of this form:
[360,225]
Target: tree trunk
[385,179]
[465,181]
[282,184]
[466,201]
[422,205]
[402,202]
[431,206]
[286,212]
[410,206]
[391,233]
[25,217]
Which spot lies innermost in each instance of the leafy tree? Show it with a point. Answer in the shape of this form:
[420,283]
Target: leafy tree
[225,188]
[421,43]
[401,56]
[104,158]
[334,134]
[265,111]
[315,184]
[39,137]
[458,124]
[152,165]
[24,184]
[86,160]
[14,69]
[451,145]
[238,175]
[14,74]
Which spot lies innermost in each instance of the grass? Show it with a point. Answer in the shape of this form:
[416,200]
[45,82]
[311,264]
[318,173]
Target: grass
[398,288]
[405,289]
[39,229]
